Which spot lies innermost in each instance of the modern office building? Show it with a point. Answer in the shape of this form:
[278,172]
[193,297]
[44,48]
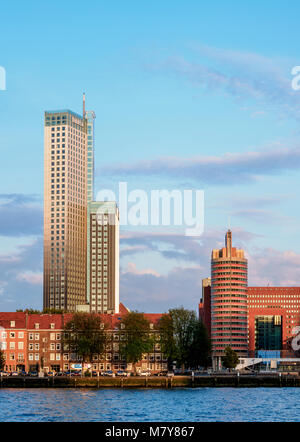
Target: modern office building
[274,315]
[103,257]
[229,311]
[65,209]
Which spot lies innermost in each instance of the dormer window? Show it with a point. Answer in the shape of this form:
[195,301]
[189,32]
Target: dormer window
[36,325]
[12,323]
[52,326]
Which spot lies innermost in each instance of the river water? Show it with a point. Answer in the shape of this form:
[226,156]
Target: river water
[178,405]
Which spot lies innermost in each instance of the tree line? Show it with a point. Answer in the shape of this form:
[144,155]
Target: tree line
[182,337]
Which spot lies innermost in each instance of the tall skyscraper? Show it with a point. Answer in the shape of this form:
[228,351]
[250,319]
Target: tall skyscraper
[81,237]
[103,257]
[65,209]
[229,322]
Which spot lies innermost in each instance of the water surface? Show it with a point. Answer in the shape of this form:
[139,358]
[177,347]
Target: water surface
[180,405]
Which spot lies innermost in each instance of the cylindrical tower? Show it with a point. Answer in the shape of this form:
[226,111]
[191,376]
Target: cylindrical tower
[229,321]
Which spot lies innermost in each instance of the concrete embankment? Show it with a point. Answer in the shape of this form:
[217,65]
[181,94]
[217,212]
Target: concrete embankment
[151,382]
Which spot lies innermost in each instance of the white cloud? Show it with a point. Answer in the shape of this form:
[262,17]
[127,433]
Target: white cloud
[226,169]
[31,277]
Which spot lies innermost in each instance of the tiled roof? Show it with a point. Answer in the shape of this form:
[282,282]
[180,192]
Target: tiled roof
[24,320]
[18,317]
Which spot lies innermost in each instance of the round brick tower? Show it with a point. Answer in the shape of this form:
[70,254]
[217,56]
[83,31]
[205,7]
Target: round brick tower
[229,322]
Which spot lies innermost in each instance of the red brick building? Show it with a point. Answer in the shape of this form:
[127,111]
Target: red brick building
[280,305]
[273,314]
[229,321]
[34,342]
[204,305]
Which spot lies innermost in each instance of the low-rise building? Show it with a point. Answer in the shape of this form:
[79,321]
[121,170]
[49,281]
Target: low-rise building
[35,342]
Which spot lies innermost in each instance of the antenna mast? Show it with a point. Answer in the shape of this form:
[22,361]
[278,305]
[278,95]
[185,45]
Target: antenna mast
[83,112]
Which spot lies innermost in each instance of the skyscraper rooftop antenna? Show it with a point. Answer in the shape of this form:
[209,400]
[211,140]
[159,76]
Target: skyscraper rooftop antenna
[83,105]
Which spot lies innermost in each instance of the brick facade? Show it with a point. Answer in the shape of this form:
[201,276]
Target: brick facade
[32,342]
[265,301]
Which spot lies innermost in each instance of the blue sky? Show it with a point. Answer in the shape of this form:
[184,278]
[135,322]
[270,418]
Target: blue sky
[187,95]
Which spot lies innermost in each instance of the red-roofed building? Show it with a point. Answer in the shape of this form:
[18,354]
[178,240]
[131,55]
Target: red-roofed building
[33,342]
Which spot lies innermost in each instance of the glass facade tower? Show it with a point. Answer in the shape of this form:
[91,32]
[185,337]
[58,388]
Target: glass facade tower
[65,209]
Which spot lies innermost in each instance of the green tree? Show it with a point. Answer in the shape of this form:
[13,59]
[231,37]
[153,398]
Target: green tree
[231,359]
[138,339]
[85,335]
[184,338]
[54,311]
[181,325]
[167,339]
[2,360]
[200,349]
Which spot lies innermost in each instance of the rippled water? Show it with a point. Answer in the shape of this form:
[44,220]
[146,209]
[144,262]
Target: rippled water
[197,404]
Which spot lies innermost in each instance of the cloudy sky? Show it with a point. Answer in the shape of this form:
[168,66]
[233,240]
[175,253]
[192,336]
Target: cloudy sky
[187,95]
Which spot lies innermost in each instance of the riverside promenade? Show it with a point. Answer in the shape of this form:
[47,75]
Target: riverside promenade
[270,380]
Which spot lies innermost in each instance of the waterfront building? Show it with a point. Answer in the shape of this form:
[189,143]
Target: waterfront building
[81,256]
[229,321]
[35,342]
[274,314]
[273,319]
[13,340]
[103,257]
[65,209]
